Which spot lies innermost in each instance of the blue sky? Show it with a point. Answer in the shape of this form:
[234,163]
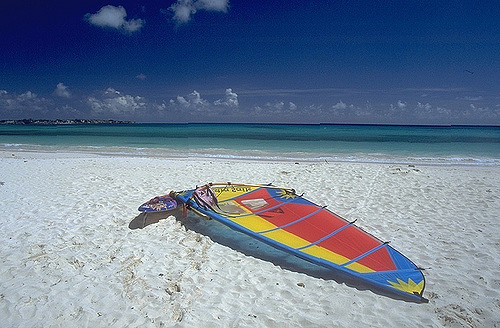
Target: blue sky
[397,62]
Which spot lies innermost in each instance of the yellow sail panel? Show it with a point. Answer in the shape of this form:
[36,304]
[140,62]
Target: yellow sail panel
[286,238]
[359,268]
[325,254]
[330,256]
[254,223]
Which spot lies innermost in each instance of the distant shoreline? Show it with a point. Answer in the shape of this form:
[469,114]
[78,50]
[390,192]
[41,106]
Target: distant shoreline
[30,121]
[61,122]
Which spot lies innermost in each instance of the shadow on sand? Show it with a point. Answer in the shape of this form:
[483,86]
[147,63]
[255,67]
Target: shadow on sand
[142,220]
[250,246]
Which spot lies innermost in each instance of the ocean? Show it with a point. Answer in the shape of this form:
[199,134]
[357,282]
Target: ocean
[465,145]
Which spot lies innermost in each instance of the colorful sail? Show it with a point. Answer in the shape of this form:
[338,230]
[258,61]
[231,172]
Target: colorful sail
[283,219]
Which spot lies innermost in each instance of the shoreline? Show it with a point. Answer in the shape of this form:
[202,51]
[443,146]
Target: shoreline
[88,121]
[253,156]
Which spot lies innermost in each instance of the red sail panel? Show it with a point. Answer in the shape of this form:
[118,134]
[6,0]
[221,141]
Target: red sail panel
[350,242]
[316,226]
[287,213]
[380,260]
[353,242]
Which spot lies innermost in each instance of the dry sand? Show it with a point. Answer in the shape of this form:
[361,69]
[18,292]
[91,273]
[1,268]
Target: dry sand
[71,255]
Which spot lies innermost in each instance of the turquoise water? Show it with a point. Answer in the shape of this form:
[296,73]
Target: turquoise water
[455,144]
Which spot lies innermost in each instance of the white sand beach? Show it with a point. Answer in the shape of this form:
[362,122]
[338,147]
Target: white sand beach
[73,253]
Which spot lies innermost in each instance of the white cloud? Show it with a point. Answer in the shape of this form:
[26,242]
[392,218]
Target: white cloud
[471,98]
[24,105]
[160,107]
[133,25]
[62,91]
[141,76]
[230,99]
[437,113]
[276,106]
[114,17]
[28,95]
[182,101]
[114,102]
[215,5]
[401,105]
[443,111]
[192,100]
[426,108]
[475,111]
[184,9]
[339,105]
[67,111]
